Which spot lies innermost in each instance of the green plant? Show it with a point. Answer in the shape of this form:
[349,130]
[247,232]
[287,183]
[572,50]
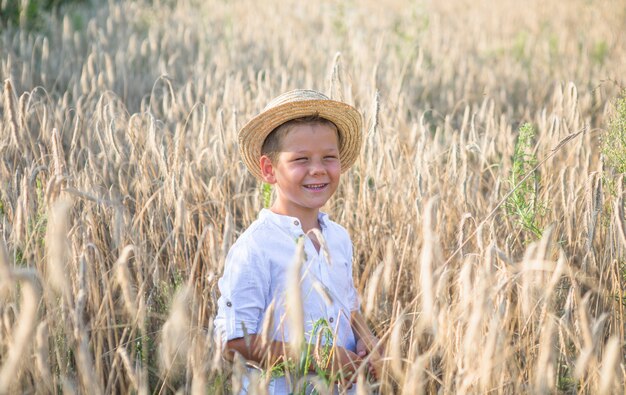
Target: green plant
[323,332]
[553,45]
[621,298]
[164,293]
[29,14]
[566,382]
[17,13]
[38,224]
[518,50]
[524,204]
[599,52]
[614,141]
[19,257]
[267,194]
[319,348]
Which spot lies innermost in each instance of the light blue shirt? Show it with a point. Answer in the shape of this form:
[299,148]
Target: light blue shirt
[256,274]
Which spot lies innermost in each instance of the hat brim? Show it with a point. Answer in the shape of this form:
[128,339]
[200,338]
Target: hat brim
[347,119]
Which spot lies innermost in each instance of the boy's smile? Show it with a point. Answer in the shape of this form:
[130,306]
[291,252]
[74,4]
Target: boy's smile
[307,170]
[316,187]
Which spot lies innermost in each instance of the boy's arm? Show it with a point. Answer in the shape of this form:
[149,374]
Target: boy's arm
[274,352]
[362,331]
[253,349]
[367,344]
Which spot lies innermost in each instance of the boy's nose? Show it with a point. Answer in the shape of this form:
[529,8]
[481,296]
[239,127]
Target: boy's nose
[317,168]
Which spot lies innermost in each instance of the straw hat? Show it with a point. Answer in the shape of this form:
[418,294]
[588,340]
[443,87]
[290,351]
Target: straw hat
[296,104]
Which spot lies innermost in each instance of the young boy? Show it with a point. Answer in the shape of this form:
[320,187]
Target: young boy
[300,144]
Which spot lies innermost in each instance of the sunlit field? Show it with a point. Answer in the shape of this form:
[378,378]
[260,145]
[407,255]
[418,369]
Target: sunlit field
[487,218]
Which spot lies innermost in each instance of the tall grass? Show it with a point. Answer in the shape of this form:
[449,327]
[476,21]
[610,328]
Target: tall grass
[121,190]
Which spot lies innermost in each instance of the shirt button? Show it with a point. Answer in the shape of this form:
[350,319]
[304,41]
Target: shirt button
[229,304]
[296,223]
[331,319]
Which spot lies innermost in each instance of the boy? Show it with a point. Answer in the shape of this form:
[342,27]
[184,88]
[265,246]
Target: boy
[300,144]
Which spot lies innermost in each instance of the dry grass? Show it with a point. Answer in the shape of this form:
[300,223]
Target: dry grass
[121,190]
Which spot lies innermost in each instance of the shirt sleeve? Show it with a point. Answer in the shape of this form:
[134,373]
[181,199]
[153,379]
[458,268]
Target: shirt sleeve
[244,291]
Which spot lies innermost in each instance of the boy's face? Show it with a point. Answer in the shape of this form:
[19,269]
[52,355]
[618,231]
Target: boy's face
[307,171]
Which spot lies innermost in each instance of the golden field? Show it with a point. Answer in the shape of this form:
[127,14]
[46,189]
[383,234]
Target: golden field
[121,188]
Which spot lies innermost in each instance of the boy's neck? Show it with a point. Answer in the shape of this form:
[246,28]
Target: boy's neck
[308,218]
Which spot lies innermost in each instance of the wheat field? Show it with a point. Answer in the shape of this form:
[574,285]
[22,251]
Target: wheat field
[122,189]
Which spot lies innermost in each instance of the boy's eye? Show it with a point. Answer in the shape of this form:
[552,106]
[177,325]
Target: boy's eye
[330,157]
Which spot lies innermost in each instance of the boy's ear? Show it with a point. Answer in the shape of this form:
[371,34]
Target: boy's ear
[267,170]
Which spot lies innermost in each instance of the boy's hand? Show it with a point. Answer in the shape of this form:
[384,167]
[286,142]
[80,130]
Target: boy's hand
[345,364]
[375,362]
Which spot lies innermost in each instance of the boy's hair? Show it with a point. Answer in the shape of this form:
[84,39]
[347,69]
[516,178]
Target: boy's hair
[272,145]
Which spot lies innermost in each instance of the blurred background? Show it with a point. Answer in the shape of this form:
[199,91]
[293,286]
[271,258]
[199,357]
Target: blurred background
[486,210]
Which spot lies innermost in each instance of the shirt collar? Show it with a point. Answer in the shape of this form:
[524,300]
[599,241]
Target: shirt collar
[291,223]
